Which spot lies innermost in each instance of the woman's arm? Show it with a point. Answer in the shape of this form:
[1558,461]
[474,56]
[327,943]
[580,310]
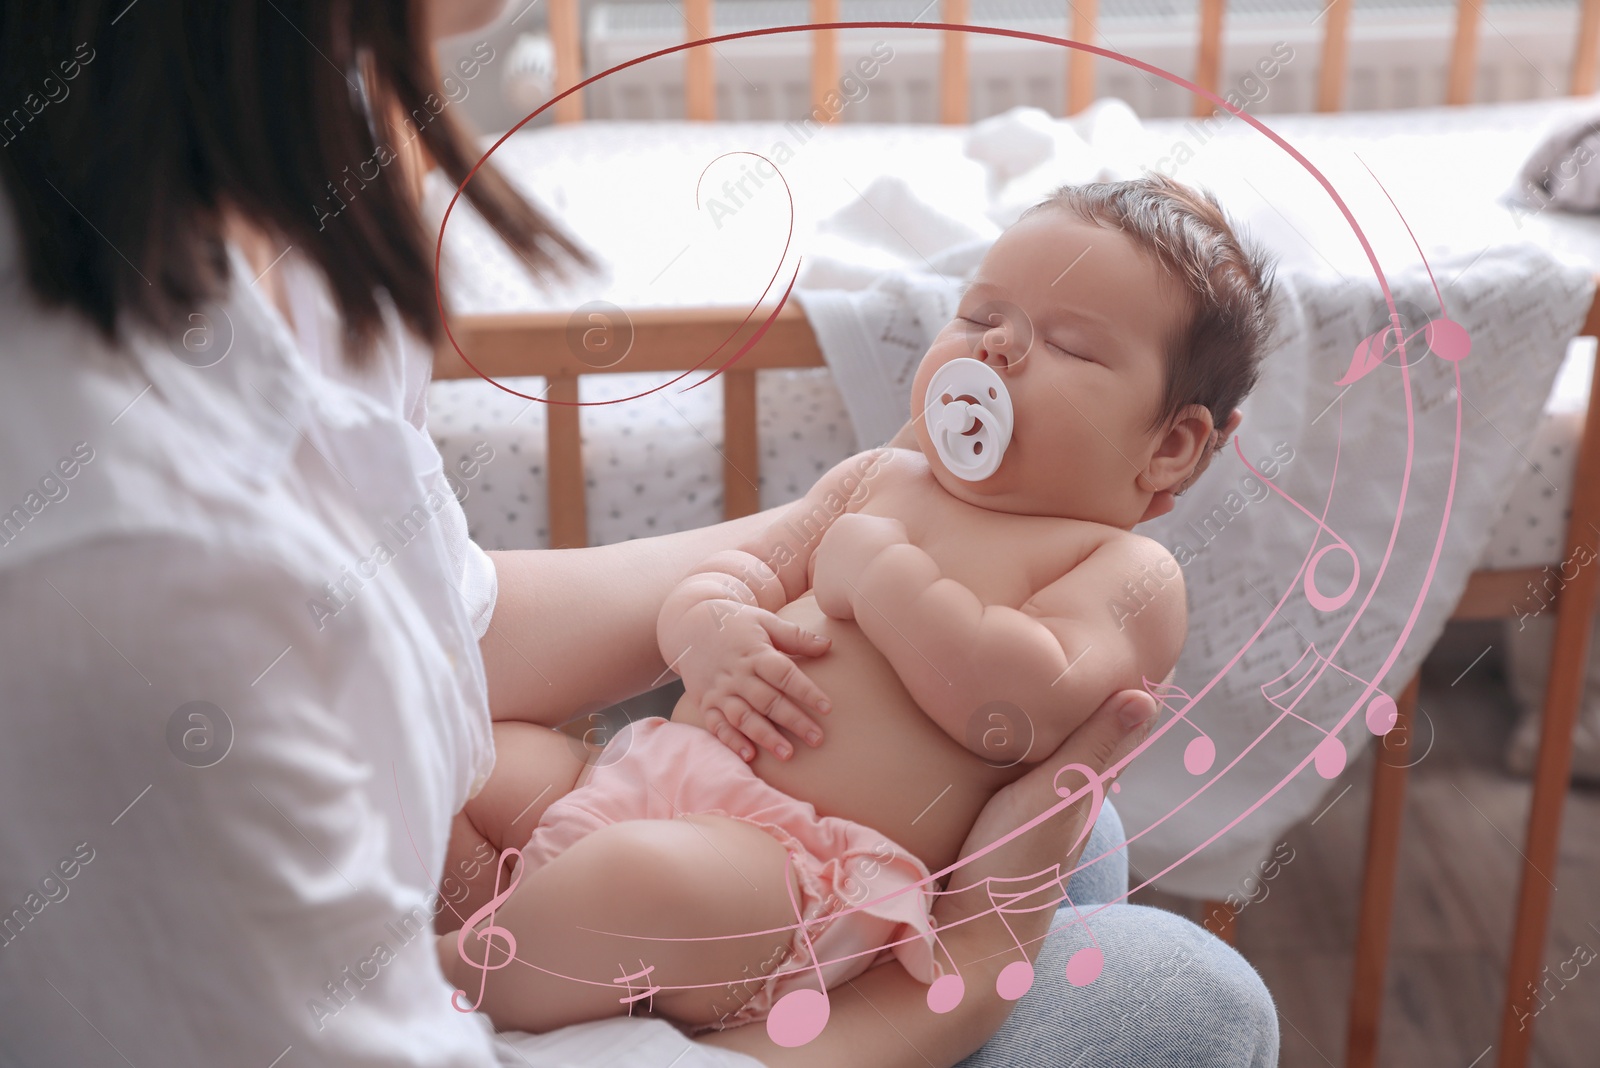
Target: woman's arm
[882,1019]
[575,629]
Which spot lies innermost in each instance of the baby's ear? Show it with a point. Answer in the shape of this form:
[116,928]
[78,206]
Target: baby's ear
[1227,430]
[1184,448]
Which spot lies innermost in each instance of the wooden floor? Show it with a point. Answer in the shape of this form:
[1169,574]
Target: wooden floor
[1465,821]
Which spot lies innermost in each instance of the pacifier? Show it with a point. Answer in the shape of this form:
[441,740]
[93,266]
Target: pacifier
[968,411]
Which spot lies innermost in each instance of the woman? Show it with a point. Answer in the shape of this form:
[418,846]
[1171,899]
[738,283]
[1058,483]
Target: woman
[240,619]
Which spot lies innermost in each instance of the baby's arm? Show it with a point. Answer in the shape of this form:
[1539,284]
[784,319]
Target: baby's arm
[1056,658]
[719,630]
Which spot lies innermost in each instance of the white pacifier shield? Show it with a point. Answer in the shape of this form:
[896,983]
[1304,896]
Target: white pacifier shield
[969,418]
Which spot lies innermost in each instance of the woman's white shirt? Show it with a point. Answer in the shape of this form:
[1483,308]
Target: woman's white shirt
[242,699]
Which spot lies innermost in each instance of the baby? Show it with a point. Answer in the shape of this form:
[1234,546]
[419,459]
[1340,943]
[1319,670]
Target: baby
[962,606]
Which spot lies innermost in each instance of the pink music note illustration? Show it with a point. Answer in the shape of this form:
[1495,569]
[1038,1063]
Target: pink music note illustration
[649,992]
[489,933]
[1016,978]
[1314,596]
[1330,754]
[800,1015]
[946,992]
[1446,338]
[1201,752]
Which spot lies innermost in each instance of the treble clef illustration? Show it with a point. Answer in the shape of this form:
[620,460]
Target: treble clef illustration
[489,933]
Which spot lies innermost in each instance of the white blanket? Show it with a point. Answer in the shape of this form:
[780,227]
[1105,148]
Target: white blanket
[1245,546]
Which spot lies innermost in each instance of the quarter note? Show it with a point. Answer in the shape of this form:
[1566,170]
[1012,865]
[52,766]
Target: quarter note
[1201,752]
[946,992]
[800,1015]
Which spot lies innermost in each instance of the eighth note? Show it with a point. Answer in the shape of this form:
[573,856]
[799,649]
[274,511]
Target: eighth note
[1201,752]
[1330,754]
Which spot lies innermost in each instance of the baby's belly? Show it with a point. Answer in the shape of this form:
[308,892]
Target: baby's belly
[882,762]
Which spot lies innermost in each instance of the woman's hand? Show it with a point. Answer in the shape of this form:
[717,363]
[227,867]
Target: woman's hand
[871,1016]
[1089,753]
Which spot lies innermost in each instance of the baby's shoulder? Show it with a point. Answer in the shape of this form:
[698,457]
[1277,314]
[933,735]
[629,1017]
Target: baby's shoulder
[855,476]
[1118,550]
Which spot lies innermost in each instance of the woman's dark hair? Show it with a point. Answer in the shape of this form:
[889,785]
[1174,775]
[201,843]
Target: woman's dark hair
[127,128]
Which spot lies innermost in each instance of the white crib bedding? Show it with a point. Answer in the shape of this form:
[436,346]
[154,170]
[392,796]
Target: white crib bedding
[628,190]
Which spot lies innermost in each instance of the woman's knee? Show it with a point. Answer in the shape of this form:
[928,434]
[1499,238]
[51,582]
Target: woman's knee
[1170,994]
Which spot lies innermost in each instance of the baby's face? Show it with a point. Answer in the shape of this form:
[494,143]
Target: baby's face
[1073,318]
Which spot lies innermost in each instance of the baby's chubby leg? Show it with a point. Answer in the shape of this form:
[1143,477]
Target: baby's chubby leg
[533,766]
[694,877]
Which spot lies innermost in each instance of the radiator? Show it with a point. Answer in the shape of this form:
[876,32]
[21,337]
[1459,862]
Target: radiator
[1398,56]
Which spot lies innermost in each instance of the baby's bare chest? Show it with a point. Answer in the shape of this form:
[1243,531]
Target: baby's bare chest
[1002,558]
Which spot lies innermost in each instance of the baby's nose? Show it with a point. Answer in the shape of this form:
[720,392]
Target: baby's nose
[1001,353]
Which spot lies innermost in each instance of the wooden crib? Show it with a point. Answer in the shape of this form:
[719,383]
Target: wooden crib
[677,339]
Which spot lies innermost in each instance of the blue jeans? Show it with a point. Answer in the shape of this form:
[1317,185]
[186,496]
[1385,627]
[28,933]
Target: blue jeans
[1171,994]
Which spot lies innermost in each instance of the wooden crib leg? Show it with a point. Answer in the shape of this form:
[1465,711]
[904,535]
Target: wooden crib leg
[569,519]
[1377,885]
[741,447]
[1568,669]
[1219,918]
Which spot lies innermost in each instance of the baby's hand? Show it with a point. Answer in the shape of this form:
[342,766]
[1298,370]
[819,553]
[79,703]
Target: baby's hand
[736,673]
[849,545]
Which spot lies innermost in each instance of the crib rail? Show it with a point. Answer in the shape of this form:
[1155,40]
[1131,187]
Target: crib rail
[954,87]
[665,339]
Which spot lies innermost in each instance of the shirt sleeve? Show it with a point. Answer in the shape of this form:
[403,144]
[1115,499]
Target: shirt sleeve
[208,872]
[480,586]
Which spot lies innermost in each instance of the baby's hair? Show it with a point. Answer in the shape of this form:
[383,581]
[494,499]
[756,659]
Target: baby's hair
[1214,357]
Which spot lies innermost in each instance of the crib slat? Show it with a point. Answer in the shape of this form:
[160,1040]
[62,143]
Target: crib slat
[1335,56]
[569,58]
[953,83]
[1586,62]
[824,58]
[569,520]
[1385,823]
[1208,64]
[699,77]
[1080,65]
[741,452]
[1464,54]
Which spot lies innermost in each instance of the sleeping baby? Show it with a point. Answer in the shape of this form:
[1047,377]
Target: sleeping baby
[959,608]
